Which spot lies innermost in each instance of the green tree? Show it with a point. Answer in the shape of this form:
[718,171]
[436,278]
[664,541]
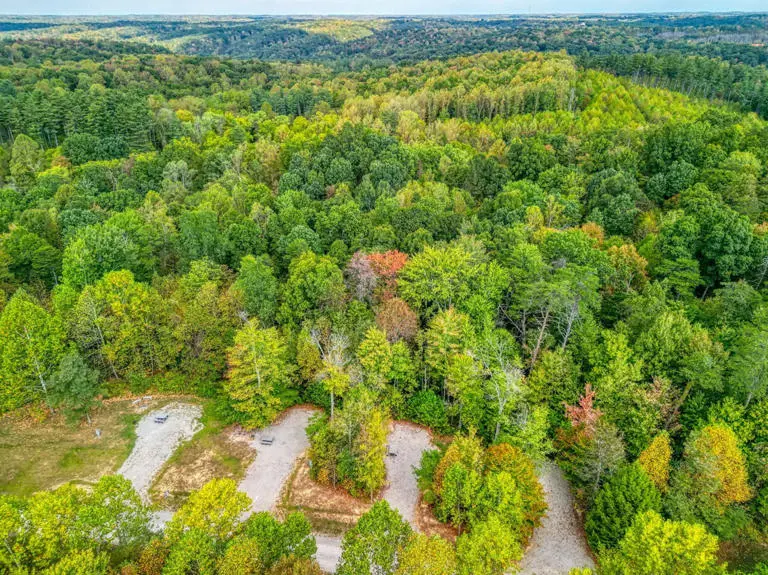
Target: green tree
[258,285]
[258,372]
[291,538]
[375,544]
[314,284]
[73,387]
[490,548]
[242,557]
[654,546]
[31,347]
[125,323]
[26,161]
[626,493]
[427,556]
[375,356]
[215,511]
[81,562]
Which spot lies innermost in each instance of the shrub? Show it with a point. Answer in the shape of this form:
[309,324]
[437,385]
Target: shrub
[426,408]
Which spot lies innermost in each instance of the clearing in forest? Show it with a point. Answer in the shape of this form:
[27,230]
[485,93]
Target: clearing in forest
[156,442]
[39,455]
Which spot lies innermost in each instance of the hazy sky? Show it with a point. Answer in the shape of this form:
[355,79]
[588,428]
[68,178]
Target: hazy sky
[390,7]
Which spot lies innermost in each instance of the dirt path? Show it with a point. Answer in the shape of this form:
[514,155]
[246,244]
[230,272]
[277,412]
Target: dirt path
[558,545]
[274,463]
[402,492]
[156,442]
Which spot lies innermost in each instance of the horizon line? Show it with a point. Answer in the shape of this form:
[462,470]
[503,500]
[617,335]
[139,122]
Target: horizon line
[372,14]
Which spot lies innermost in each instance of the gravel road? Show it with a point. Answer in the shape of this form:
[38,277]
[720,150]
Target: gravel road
[328,552]
[558,545]
[156,442]
[402,492]
[274,463]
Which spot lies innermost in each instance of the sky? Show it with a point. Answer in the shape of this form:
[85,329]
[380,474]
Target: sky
[370,7]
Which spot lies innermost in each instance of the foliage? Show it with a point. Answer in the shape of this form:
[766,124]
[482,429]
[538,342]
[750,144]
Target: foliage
[257,371]
[375,544]
[558,252]
[655,461]
[488,549]
[73,387]
[654,545]
[627,493]
[424,555]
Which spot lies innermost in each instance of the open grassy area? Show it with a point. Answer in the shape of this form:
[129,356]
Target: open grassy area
[215,451]
[41,455]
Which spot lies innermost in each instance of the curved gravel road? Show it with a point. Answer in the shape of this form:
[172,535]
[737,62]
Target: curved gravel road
[156,442]
[558,544]
[273,463]
[407,442]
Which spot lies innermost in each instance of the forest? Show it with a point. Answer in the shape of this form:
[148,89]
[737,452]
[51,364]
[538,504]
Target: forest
[537,255]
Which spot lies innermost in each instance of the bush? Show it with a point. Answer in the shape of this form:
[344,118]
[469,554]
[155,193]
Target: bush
[426,408]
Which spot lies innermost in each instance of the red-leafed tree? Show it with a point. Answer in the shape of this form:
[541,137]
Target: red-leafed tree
[584,414]
[386,266]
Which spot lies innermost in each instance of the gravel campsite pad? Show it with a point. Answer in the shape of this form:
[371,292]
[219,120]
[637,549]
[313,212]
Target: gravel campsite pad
[558,545]
[274,463]
[406,444]
[156,442]
[328,552]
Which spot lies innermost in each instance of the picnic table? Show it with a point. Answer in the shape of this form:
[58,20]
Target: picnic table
[267,439]
[161,418]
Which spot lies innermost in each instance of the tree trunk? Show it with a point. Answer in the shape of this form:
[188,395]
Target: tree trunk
[540,339]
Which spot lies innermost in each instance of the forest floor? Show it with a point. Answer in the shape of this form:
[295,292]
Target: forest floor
[559,544]
[330,510]
[38,455]
[156,442]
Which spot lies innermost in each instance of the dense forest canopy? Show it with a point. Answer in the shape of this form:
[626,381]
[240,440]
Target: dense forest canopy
[714,56]
[521,249]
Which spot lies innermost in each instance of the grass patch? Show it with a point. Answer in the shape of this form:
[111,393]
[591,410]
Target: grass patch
[42,455]
[217,450]
[329,510]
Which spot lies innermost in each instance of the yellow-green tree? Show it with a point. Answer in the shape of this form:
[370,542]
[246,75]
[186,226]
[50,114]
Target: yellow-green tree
[427,556]
[257,369]
[375,355]
[655,459]
[215,510]
[654,546]
[719,445]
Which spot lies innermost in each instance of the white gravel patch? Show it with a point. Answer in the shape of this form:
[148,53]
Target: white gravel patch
[156,442]
[408,442]
[274,463]
[328,552]
[558,544]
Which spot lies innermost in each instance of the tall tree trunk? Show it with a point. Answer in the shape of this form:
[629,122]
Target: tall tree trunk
[540,339]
